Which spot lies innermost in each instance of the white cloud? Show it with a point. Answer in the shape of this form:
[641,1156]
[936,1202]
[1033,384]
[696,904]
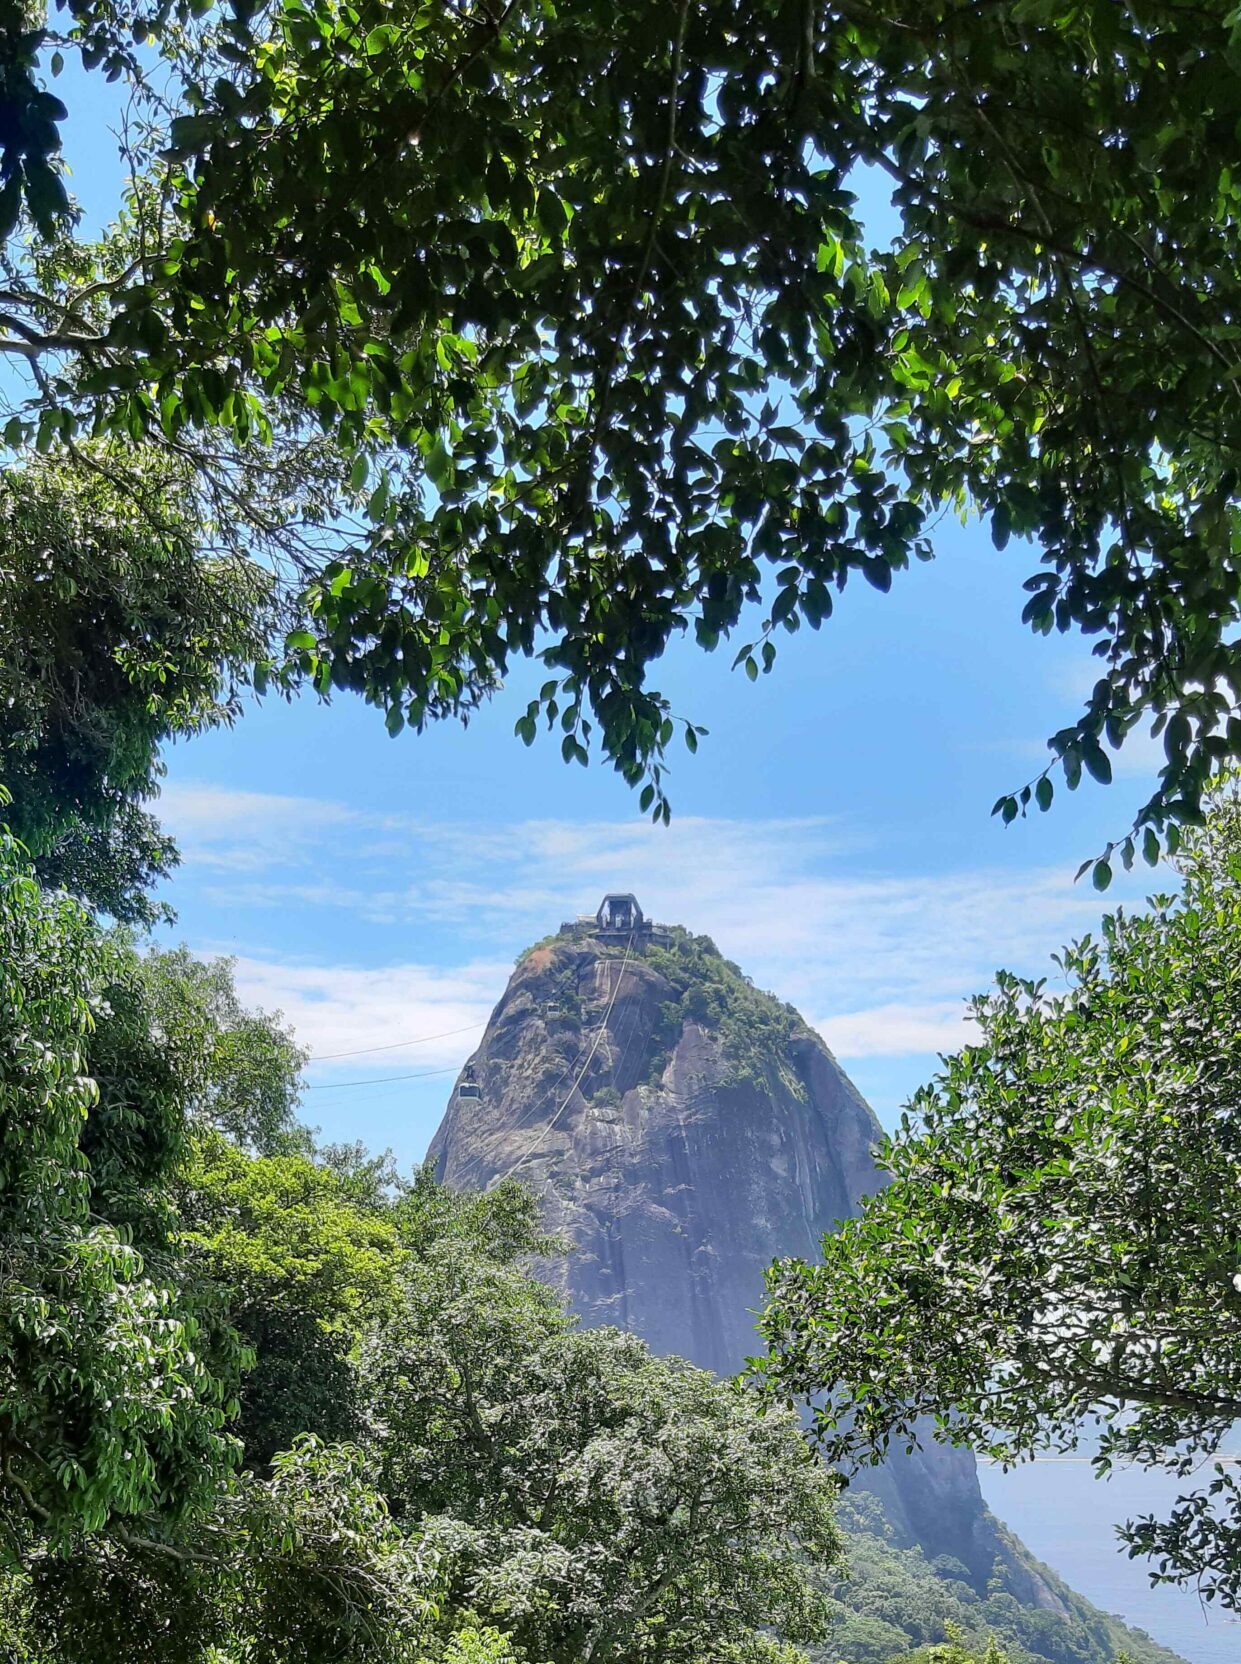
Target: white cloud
[896,1030]
[436,1015]
[885,961]
[247,831]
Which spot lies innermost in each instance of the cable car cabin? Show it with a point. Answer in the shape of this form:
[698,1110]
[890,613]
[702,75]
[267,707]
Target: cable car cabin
[619,914]
[467,1086]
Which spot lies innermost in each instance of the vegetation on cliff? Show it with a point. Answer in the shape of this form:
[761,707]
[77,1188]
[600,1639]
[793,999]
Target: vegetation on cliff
[753,1027]
[899,1605]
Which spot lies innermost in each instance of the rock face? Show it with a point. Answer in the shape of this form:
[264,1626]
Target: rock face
[683,1130]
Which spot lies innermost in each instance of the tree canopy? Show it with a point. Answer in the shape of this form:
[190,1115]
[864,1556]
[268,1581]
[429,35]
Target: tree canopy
[521,328]
[117,634]
[111,1406]
[262,1404]
[598,1501]
[1056,1260]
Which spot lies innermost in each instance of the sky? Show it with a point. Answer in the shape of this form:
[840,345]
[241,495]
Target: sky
[833,833]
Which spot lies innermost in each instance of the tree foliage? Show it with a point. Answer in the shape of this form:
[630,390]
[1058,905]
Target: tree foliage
[1057,1252]
[115,636]
[894,1601]
[954,1650]
[596,1501]
[247,1086]
[582,299]
[128,1530]
[305,1269]
[108,1407]
[292,1569]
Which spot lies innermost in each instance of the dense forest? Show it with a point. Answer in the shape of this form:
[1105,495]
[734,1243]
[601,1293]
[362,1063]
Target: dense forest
[428,337]
[268,1401]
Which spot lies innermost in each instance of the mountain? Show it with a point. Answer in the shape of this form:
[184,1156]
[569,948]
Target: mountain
[683,1130]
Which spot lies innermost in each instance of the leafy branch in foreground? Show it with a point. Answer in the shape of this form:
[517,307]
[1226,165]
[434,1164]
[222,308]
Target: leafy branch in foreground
[582,305]
[1058,1251]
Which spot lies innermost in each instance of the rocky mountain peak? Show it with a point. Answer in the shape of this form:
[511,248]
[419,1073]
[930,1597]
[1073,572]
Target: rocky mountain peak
[683,1129]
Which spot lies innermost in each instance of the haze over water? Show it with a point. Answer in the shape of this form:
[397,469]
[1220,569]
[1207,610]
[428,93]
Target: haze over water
[1067,1518]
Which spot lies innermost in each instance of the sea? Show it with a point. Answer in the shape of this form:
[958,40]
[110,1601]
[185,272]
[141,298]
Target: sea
[1067,1517]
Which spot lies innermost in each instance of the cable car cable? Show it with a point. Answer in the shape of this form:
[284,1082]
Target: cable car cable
[396,1045]
[378,1080]
[581,1074]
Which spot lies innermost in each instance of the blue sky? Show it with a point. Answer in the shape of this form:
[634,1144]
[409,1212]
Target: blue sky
[833,833]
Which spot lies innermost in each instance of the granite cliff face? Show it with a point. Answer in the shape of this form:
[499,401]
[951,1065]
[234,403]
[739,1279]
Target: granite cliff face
[683,1130]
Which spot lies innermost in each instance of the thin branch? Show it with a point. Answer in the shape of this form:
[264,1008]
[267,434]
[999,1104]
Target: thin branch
[982,221]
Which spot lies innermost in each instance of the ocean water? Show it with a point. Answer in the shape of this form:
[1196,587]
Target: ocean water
[1067,1518]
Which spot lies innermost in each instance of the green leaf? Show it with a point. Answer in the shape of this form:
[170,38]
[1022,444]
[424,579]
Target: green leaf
[188,133]
[1096,761]
[439,465]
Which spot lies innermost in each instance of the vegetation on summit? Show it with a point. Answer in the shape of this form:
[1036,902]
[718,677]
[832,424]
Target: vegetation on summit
[753,1026]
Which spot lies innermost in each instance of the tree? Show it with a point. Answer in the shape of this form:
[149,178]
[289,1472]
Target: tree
[116,635]
[603,352]
[304,1270]
[1056,1254]
[301,1566]
[110,1409]
[674,1519]
[953,1649]
[129,1533]
[571,1492]
[595,1502]
[247,1086]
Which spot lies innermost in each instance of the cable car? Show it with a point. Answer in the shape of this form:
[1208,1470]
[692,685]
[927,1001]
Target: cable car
[467,1086]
